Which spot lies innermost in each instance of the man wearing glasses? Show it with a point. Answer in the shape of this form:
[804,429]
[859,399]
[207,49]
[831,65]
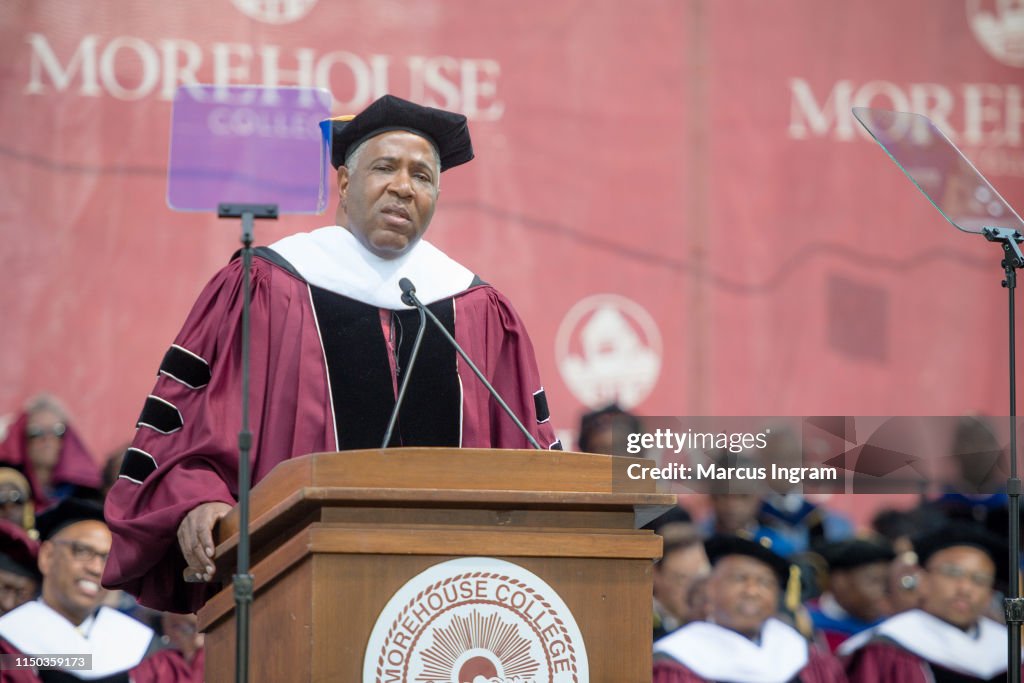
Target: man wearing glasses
[67,618]
[948,638]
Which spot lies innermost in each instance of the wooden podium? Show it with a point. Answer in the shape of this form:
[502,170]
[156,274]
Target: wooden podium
[335,535]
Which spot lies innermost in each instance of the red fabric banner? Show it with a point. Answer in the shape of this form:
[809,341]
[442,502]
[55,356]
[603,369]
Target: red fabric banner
[672,192]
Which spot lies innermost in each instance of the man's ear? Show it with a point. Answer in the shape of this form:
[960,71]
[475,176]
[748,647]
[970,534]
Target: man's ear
[46,551]
[342,185]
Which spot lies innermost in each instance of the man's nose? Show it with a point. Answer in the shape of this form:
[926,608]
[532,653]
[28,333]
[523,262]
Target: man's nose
[401,184]
[95,565]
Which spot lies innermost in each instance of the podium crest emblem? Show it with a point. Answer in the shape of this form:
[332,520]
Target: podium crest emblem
[476,620]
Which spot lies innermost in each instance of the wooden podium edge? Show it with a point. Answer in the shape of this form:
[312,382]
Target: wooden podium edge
[506,544]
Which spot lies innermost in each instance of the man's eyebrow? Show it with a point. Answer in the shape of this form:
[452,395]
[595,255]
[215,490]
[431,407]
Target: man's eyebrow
[421,163]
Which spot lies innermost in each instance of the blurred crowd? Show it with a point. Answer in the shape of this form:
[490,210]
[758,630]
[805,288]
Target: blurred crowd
[762,583]
[54,544]
[754,584]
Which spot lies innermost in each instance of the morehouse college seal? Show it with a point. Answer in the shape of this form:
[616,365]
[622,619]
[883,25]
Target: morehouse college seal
[476,620]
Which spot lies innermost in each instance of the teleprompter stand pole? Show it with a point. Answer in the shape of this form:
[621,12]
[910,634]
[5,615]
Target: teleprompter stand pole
[1013,605]
[242,579]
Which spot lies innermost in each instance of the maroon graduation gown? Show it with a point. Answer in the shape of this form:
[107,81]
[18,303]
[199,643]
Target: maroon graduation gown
[917,647]
[821,668]
[884,662]
[185,451]
[169,666]
[164,666]
[780,655]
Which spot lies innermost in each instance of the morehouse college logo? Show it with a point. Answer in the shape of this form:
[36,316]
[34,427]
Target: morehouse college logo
[608,348]
[476,620]
[274,11]
[999,27]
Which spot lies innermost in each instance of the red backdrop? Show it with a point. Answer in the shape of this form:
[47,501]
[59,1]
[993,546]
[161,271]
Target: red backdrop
[673,192]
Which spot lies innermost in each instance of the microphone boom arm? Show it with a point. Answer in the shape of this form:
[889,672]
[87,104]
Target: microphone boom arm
[409,297]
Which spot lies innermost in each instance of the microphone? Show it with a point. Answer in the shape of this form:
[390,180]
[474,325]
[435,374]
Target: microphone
[409,298]
[412,360]
[408,292]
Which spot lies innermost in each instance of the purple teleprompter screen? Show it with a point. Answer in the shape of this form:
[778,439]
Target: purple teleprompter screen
[248,144]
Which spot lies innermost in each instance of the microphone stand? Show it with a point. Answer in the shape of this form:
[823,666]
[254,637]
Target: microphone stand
[409,298]
[242,579]
[1013,605]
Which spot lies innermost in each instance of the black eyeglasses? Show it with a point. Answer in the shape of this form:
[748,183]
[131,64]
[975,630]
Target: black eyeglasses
[952,571]
[83,553]
[12,497]
[35,432]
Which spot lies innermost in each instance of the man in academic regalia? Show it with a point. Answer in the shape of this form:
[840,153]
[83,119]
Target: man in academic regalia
[67,618]
[330,345]
[19,570]
[947,640]
[742,641]
[855,597]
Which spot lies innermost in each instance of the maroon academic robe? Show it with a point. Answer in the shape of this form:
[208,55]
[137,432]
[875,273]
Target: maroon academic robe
[169,666]
[916,647]
[821,668]
[880,662]
[165,666]
[782,655]
[15,675]
[189,456]
[117,643]
[76,466]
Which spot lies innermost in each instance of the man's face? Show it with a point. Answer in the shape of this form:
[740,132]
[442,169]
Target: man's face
[674,576]
[863,591]
[957,585]
[389,196]
[742,593]
[44,432]
[72,564]
[15,590]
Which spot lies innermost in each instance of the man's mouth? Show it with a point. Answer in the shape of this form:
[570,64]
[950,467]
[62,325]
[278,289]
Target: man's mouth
[90,588]
[396,211]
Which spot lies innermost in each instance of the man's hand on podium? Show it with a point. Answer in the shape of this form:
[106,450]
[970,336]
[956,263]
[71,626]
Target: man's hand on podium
[195,536]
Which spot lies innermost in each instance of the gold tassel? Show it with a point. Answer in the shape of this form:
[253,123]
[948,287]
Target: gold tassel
[801,618]
[793,589]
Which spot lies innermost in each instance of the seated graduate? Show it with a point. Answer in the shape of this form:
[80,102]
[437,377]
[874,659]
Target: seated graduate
[855,596]
[683,562]
[331,340]
[802,524]
[948,639]
[743,641]
[42,444]
[19,570]
[735,503]
[67,618]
